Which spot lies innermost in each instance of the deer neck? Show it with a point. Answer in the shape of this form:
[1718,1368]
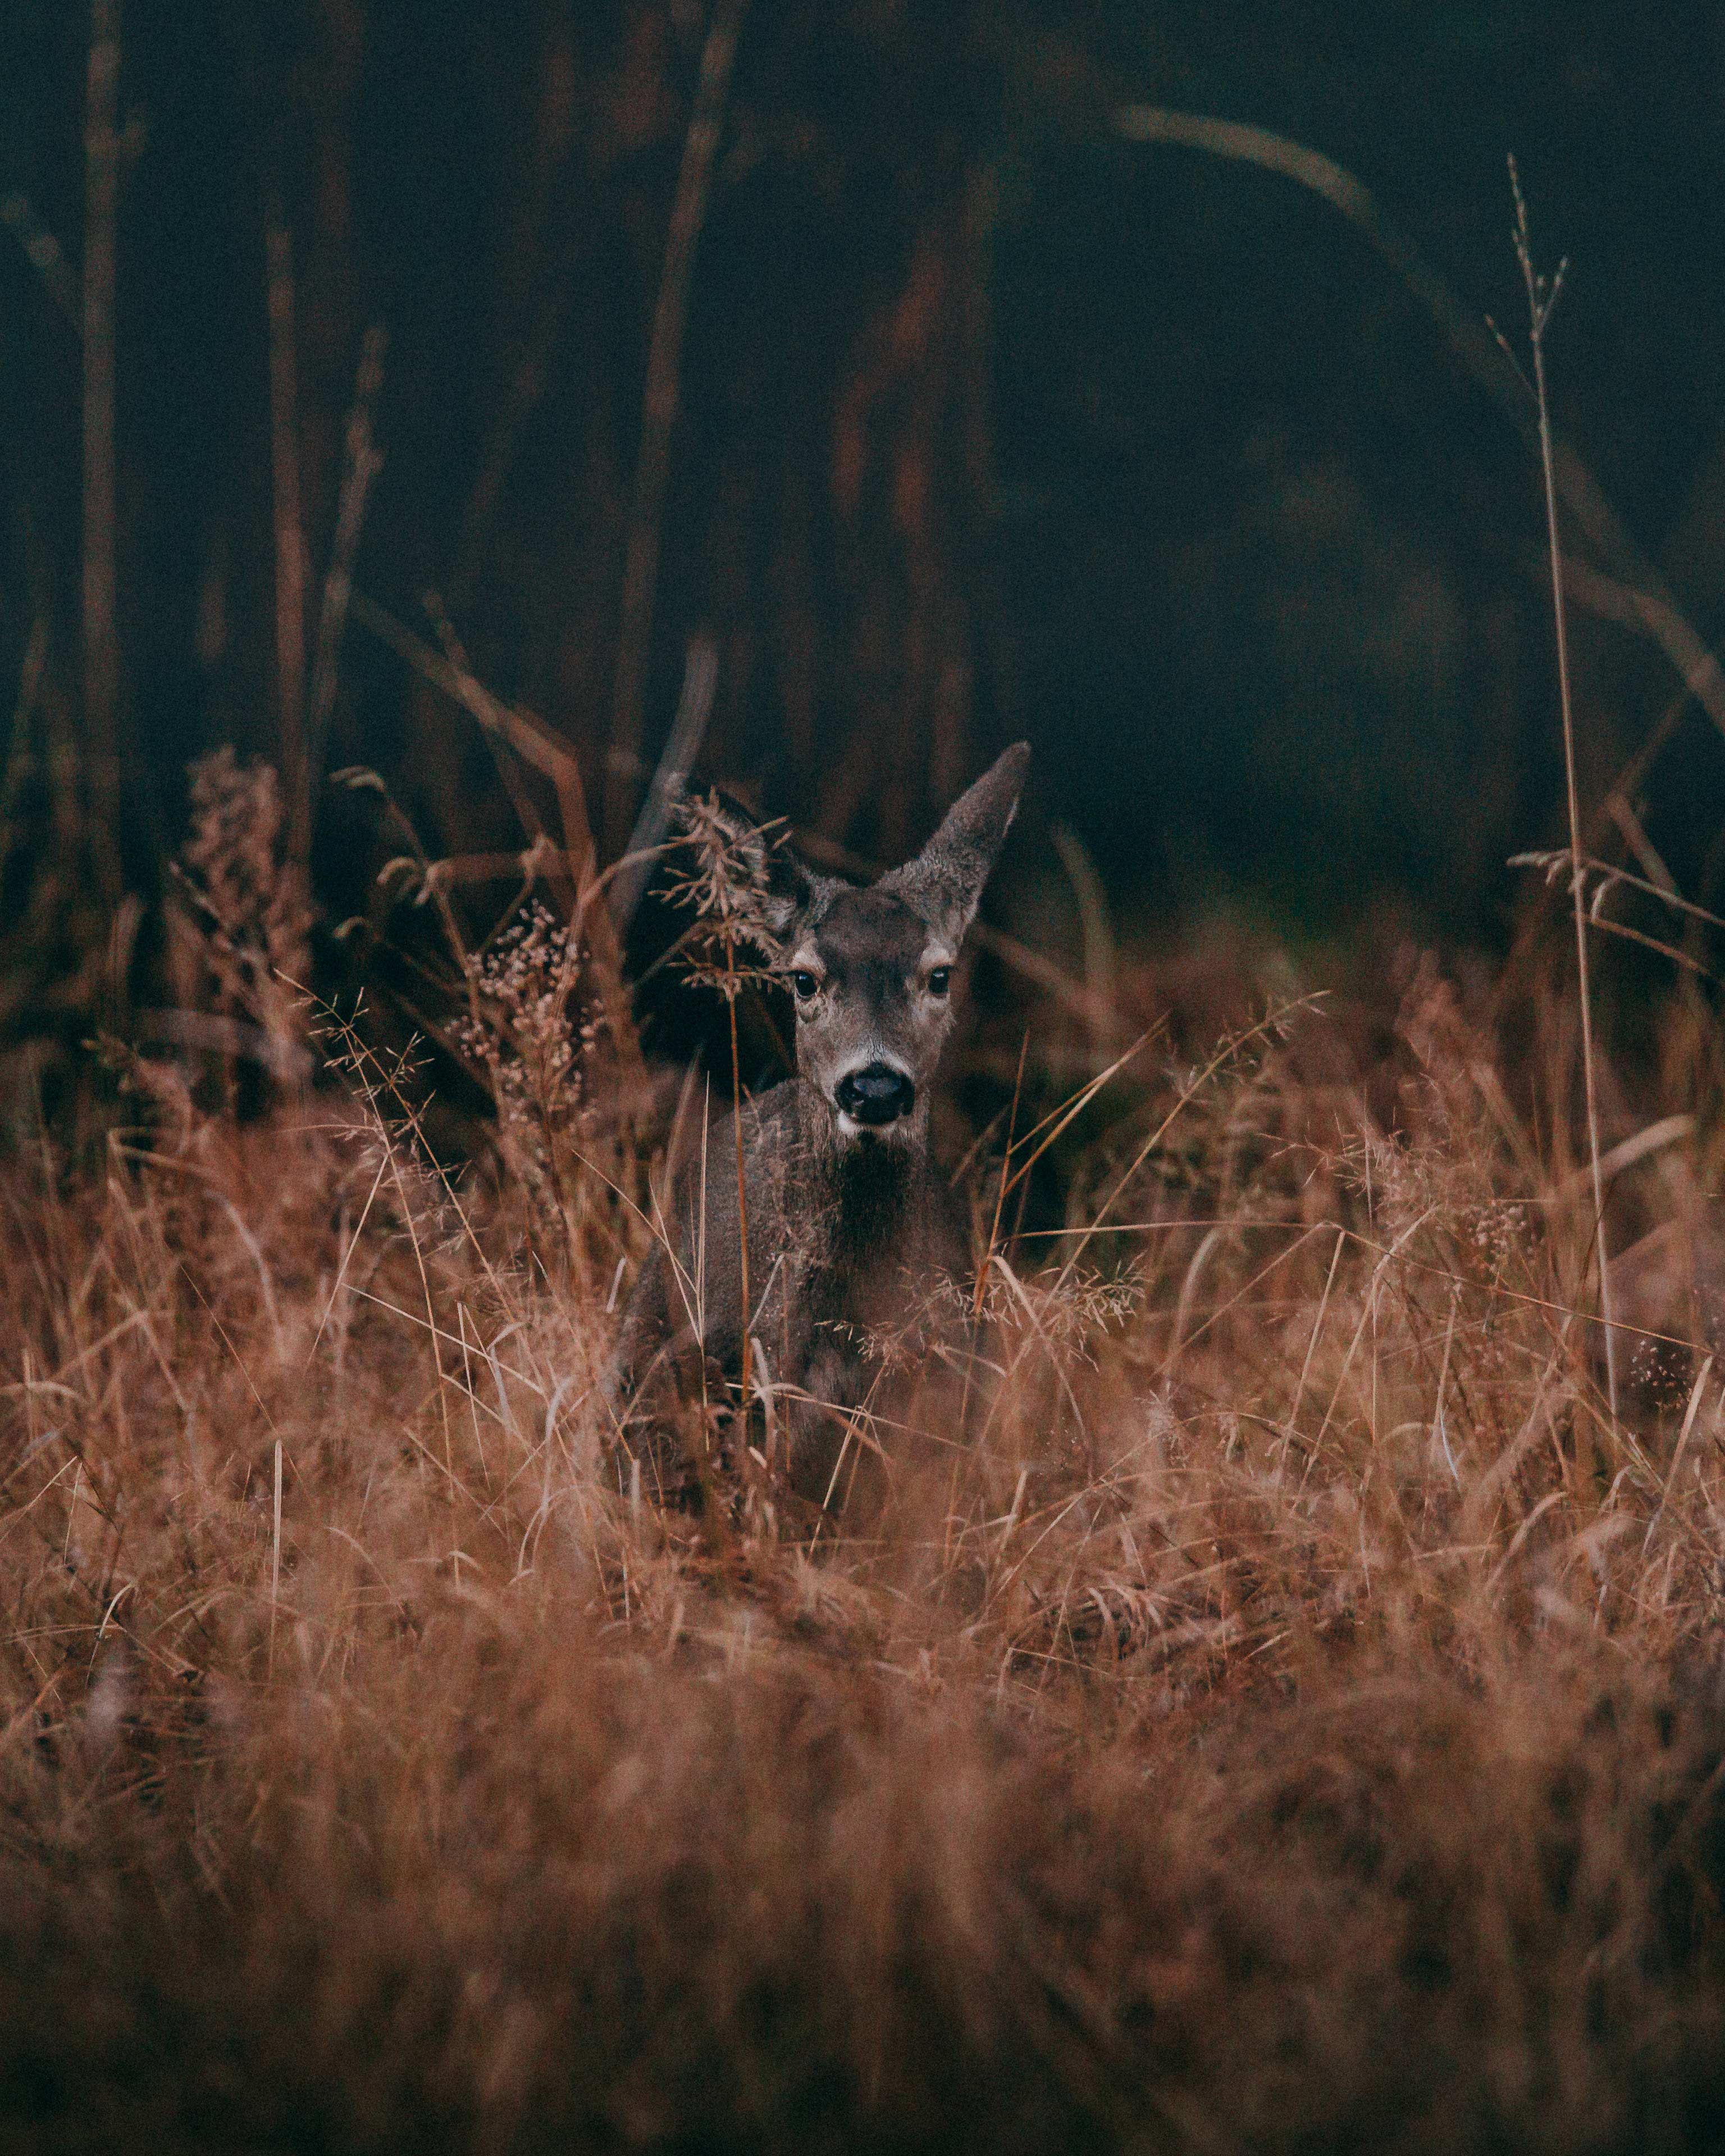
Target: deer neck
[870,1188]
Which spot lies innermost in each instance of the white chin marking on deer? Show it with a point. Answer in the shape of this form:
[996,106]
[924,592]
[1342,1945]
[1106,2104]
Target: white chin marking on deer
[897,1133]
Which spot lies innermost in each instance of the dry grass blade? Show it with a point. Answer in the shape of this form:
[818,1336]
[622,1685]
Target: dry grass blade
[104,158]
[1274,1726]
[288,525]
[659,413]
[363,463]
[1543,294]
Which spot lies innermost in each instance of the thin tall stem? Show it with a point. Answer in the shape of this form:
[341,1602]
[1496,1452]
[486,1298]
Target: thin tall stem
[102,150]
[289,544]
[743,1203]
[1542,299]
[364,464]
[665,359]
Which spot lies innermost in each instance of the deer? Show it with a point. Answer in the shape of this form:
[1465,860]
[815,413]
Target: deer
[850,1231]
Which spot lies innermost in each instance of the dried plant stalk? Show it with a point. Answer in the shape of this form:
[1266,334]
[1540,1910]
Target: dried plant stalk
[363,463]
[101,210]
[742,1201]
[289,540]
[1543,293]
[665,359]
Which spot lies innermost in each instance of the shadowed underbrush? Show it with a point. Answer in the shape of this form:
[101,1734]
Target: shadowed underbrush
[1293,1722]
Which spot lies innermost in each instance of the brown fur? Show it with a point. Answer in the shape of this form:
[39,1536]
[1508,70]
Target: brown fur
[849,1231]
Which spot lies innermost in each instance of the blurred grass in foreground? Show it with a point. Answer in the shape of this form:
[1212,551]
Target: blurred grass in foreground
[1293,1723]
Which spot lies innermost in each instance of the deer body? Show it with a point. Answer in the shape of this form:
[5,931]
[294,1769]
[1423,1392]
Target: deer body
[849,1229]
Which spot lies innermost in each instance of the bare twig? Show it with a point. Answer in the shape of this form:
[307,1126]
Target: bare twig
[102,148]
[290,540]
[538,747]
[363,465]
[1621,928]
[1542,295]
[742,1201]
[665,358]
[532,740]
[276,1554]
[699,675]
[982,1270]
[1556,864]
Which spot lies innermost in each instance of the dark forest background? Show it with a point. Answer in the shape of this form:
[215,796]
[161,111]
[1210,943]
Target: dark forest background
[987,421]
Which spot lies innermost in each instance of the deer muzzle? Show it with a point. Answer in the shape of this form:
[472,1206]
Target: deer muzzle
[876,1095]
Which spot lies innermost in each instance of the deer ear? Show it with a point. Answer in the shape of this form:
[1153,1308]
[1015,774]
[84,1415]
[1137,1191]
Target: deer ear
[769,888]
[945,881]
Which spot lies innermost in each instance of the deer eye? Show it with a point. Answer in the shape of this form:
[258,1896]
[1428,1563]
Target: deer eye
[940,980]
[804,984]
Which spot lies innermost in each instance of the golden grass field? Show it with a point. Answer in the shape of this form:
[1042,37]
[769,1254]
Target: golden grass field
[1292,1722]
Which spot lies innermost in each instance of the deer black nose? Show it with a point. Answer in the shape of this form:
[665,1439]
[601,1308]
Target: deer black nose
[876,1094]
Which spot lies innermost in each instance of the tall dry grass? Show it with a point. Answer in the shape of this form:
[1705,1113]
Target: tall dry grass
[1292,1720]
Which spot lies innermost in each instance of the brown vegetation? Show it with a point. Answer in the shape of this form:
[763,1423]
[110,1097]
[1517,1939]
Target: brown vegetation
[1292,1724]
[1292,1719]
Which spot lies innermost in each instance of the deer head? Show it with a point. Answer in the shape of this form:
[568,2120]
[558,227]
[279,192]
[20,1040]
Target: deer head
[870,971]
